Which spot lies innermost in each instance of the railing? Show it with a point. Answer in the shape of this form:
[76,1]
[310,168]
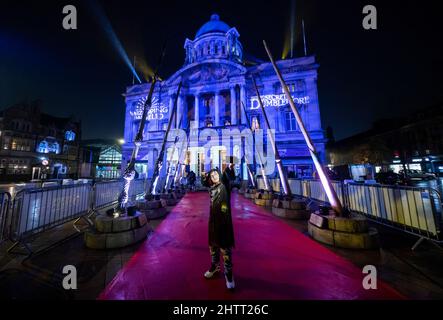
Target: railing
[5,201]
[413,210]
[409,209]
[106,193]
[36,210]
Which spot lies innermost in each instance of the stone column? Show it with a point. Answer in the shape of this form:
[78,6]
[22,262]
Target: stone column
[243,101]
[217,109]
[312,113]
[171,106]
[233,107]
[179,111]
[197,109]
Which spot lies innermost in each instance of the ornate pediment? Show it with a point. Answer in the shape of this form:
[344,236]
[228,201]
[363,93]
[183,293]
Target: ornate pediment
[205,73]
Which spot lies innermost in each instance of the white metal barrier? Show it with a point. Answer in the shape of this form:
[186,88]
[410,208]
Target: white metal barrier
[413,210]
[106,193]
[37,210]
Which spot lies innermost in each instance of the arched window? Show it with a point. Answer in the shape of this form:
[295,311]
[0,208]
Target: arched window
[69,135]
[55,148]
[43,147]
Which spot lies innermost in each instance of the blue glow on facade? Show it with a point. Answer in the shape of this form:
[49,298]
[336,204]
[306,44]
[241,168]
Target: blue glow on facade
[69,135]
[48,147]
[216,82]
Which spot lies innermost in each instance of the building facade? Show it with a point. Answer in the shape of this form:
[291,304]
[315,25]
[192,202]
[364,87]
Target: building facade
[35,145]
[414,142]
[105,159]
[217,83]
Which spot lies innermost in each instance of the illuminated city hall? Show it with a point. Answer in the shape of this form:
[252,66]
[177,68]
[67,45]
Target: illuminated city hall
[217,82]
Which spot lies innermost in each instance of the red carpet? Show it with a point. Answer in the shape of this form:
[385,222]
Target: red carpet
[271,261]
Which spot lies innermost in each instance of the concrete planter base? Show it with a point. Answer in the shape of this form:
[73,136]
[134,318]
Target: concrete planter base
[153,209]
[263,202]
[113,233]
[294,209]
[250,193]
[291,213]
[349,233]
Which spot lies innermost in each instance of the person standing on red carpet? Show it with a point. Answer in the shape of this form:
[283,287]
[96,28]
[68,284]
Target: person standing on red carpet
[221,231]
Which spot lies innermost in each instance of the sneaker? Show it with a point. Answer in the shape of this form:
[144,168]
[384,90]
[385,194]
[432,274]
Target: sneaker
[212,271]
[230,283]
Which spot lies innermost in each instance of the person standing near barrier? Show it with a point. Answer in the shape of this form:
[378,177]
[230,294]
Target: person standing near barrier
[220,228]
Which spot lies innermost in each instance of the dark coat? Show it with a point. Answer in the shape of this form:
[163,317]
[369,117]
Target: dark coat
[221,230]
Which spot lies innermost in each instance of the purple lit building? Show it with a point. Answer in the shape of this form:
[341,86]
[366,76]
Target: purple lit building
[216,82]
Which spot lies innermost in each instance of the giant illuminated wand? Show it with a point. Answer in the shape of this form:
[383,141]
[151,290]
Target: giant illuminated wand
[262,168]
[283,179]
[159,162]
[172,157]
[330,192]
[129,173]
[180,166]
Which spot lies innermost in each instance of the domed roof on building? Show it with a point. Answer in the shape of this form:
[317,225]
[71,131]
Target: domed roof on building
[214,25]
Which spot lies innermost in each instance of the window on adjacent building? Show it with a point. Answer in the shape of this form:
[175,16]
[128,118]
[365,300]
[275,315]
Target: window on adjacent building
[291,123]
[70,135]
[6,142]
[43,147]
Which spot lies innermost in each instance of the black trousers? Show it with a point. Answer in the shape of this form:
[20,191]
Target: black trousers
[227,257]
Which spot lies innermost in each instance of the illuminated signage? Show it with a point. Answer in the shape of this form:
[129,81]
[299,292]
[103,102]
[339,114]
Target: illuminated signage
[277,100]
[416,160]
[157,112]
[396,161]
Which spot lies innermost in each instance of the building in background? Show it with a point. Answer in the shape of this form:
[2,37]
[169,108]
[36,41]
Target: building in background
[414,142]
[216,82]
[105,159]
[35,145]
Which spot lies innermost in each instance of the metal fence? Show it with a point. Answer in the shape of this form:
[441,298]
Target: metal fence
[33,211]
[5,201]
[410,209]
[414,210]
[37,210]
[106,193]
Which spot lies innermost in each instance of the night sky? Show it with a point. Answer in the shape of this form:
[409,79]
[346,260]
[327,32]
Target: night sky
[363,75]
